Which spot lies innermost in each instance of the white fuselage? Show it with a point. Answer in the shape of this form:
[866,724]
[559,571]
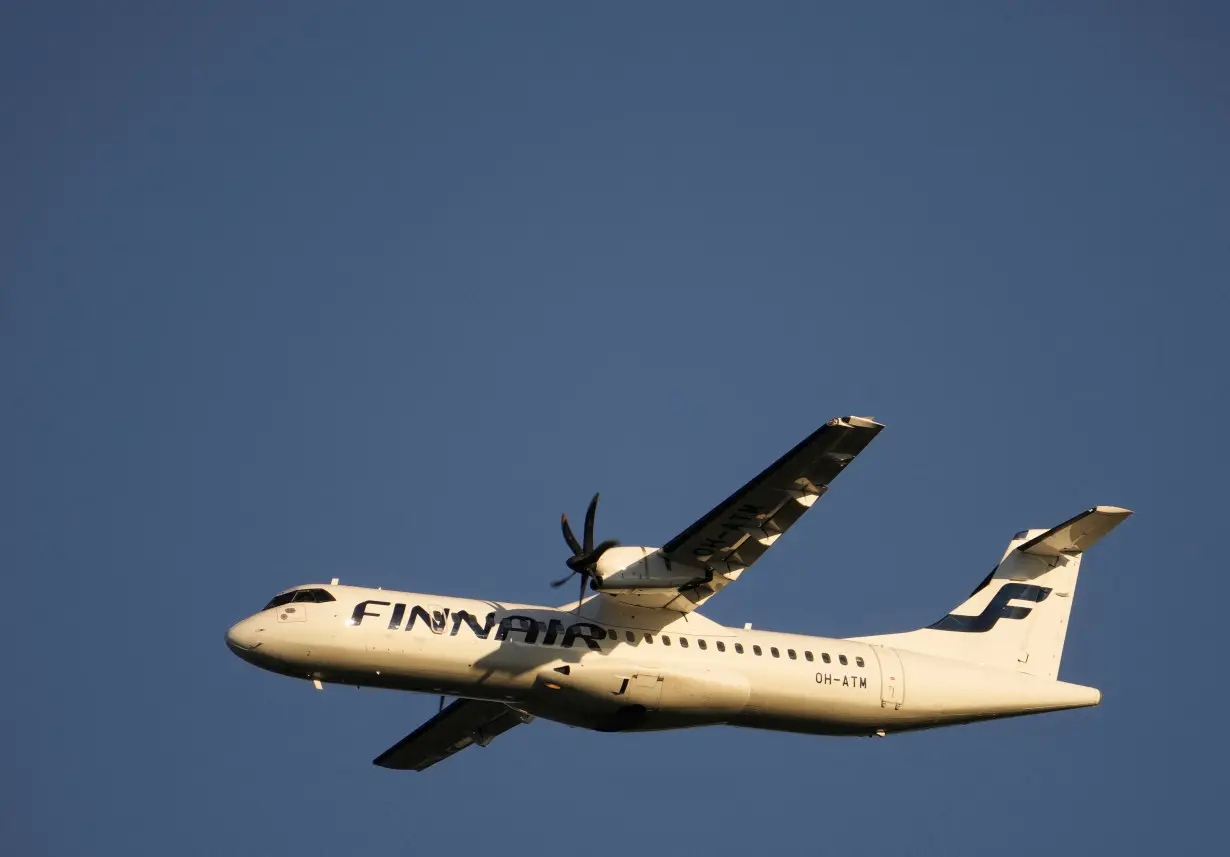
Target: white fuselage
[614,667]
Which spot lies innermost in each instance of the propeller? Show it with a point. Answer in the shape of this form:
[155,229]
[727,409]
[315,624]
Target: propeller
[585,556]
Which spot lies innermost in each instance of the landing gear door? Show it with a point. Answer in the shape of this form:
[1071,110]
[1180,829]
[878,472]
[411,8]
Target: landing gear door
[645,689]
[892,677]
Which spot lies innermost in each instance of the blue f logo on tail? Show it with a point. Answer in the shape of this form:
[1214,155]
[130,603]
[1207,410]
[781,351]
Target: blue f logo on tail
[999,608]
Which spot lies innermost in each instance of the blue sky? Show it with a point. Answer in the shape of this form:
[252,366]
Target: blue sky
[375,291]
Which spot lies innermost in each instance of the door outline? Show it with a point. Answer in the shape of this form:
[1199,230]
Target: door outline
[892,677]
[644,689]
[437,619]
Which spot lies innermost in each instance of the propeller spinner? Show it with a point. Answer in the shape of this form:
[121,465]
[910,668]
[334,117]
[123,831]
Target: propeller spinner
[585,556]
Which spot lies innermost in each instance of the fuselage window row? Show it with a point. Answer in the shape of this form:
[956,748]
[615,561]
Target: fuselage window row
[613,634]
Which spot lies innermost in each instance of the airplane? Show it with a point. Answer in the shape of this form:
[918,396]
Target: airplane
[633,654]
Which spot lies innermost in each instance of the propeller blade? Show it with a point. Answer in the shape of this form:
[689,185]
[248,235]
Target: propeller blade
[589,523]
[568,536]
[592,559]
[556,584]
[585,556]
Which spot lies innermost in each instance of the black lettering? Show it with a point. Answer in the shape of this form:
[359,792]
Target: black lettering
[480,631]
[360,610]
[416,613]
[399,610]
[517,625]
[553,629]
[595,633]
[845,679]
[862,683]
[745,513]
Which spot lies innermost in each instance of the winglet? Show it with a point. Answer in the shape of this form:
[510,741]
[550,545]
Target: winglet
[1077,534]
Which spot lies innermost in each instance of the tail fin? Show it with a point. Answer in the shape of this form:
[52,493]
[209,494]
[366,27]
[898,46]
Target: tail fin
[1017,618]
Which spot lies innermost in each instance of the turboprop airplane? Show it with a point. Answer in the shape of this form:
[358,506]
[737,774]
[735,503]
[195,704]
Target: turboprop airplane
[635,654]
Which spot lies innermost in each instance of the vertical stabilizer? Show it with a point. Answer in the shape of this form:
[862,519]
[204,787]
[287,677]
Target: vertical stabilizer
[1017,618]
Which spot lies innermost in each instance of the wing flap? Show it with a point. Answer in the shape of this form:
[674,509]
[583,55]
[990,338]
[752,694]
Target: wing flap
[462,723]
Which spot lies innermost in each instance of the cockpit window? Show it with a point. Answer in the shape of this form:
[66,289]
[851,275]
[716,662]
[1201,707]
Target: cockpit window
[319,596]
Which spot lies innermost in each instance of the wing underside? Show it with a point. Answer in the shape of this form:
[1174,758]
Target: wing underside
[462,723]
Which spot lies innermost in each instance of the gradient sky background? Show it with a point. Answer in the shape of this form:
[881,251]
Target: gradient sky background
[295,291]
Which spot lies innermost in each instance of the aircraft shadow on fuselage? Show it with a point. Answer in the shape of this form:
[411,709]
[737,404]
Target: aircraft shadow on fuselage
[532,639]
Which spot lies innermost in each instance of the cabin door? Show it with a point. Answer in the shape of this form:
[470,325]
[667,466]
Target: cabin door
[892,677]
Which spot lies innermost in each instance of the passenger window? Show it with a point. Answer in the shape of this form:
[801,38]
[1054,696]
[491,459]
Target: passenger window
[612,634]
[721,647]
[790,653]
[683,642]
[808,656]
[756,650]
[842,659]
[826,658]
[648,638]
[858,661]
[773,650]
[629,636]
[666,641]
[702,644]
[738,648]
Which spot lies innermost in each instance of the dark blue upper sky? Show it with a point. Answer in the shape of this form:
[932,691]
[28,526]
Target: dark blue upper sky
[375,291]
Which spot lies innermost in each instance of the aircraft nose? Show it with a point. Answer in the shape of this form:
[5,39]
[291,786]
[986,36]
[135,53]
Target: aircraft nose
[245,636]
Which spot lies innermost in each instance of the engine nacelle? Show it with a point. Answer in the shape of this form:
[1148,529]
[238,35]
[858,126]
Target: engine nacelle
[642,568]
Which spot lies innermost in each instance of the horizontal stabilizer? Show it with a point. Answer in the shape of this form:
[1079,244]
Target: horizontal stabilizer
[1078,534]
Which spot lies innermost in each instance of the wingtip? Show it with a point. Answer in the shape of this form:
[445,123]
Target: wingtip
[855,422]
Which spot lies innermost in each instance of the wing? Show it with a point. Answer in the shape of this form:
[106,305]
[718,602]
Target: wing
[464,722]
[742,527]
